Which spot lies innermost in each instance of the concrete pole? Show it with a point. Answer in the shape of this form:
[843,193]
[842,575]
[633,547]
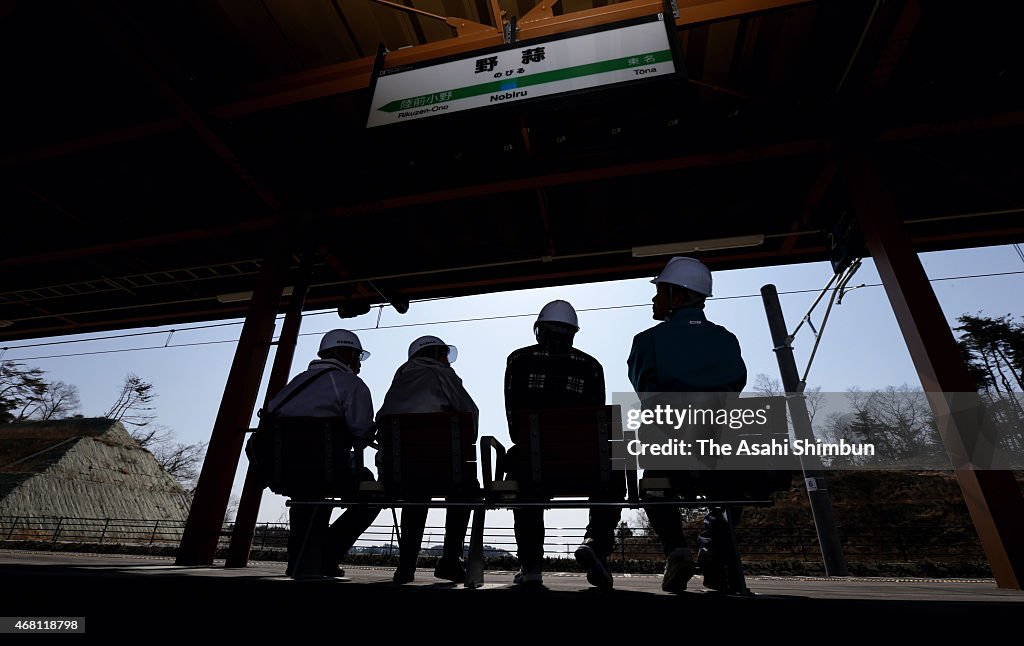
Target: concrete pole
[814,476]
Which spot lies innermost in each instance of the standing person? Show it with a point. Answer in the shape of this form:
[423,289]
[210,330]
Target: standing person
[554,374]
[685,353]
[426,383]
[330,387]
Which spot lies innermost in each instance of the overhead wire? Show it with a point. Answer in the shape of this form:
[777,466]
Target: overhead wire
[837,291]
[406,325]
[1020,253]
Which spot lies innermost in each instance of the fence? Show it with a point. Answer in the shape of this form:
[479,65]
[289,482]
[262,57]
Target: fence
[892,543]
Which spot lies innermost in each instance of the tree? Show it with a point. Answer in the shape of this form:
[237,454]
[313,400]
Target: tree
[232,509]
[58,401]
[993,349]
[897,421]
[772,387]
[26,395]
[134,407]
[181,461]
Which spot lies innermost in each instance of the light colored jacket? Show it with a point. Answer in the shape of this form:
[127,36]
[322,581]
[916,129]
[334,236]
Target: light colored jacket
[339,393]
[424,385]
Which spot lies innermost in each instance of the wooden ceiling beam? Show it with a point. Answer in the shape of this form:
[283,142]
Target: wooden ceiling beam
[92,142]
[818,190]
[165,240]
[353,76]
[141,56]
[700,160]
[899,38]
[698,14]
[808,146]
[523,281]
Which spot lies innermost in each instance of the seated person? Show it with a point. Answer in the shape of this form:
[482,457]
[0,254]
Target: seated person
[426,383]
[553,374]
[330,387]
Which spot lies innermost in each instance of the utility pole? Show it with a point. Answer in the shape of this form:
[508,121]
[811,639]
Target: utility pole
[814,476]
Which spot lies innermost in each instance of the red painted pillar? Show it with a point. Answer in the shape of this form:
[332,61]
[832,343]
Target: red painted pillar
[252,491]
[993,497]
[210,501]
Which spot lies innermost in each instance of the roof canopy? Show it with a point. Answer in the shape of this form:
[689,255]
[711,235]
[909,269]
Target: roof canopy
[153,153]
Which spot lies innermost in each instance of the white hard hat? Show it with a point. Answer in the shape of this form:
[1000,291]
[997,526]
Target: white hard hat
[686,272]
[427,341]
[342,339]
[557,312]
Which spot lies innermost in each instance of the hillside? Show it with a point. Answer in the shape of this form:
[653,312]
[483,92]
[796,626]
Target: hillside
[884,517]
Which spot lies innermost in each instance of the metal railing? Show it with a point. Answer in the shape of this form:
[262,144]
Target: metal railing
[875,543]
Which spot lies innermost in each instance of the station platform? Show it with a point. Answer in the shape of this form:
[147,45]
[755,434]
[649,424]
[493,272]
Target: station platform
[133,596]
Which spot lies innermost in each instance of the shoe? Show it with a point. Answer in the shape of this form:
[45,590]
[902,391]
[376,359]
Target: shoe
[679,568]
[451,569]
[716,582]
[716,576]
[528,576]
[404,575]
[597,573]
[334,571]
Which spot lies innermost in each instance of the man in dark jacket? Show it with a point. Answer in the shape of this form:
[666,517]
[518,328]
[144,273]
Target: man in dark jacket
[554,374]
[684,353]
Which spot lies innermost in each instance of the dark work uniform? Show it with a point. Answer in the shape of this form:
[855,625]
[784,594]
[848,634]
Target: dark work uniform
[685,353]
[554,375]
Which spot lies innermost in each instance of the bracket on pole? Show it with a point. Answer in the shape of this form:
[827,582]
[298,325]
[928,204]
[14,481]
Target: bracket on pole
[462,26]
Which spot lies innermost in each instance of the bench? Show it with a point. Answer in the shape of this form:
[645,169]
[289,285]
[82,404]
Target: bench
[563,457]
[420,456]
[427,455]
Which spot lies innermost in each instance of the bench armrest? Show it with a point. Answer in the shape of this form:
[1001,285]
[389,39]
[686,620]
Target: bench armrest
[359,453]
[632,486]
[488,442]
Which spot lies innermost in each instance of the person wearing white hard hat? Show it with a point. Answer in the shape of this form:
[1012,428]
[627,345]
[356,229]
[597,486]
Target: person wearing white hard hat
[426,383]
[685,353]
[330,387]
[554,374]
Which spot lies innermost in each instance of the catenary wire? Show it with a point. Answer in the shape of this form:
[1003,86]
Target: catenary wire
[405,325]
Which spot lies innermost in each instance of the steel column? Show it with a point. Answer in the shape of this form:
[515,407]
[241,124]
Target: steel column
[993,497]
[210,501]
[252,492]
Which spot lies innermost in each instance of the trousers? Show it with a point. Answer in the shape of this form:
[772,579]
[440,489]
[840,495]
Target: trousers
[321,547]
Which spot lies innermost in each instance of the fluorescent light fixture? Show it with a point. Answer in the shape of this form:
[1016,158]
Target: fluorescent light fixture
[241,297]
[5,323]
[714,244]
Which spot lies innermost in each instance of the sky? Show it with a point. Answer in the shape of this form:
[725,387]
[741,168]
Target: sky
[861,346]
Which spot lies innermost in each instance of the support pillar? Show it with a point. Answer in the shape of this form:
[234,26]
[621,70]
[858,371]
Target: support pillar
[252,491]
[210,501]
[993,497]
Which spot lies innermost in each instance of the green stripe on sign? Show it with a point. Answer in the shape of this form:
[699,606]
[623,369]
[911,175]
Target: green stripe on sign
[540,78]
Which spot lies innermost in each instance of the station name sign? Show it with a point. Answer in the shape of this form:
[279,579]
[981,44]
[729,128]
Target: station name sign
[623,53]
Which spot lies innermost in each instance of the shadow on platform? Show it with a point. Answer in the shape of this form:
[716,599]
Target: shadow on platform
[150,597]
